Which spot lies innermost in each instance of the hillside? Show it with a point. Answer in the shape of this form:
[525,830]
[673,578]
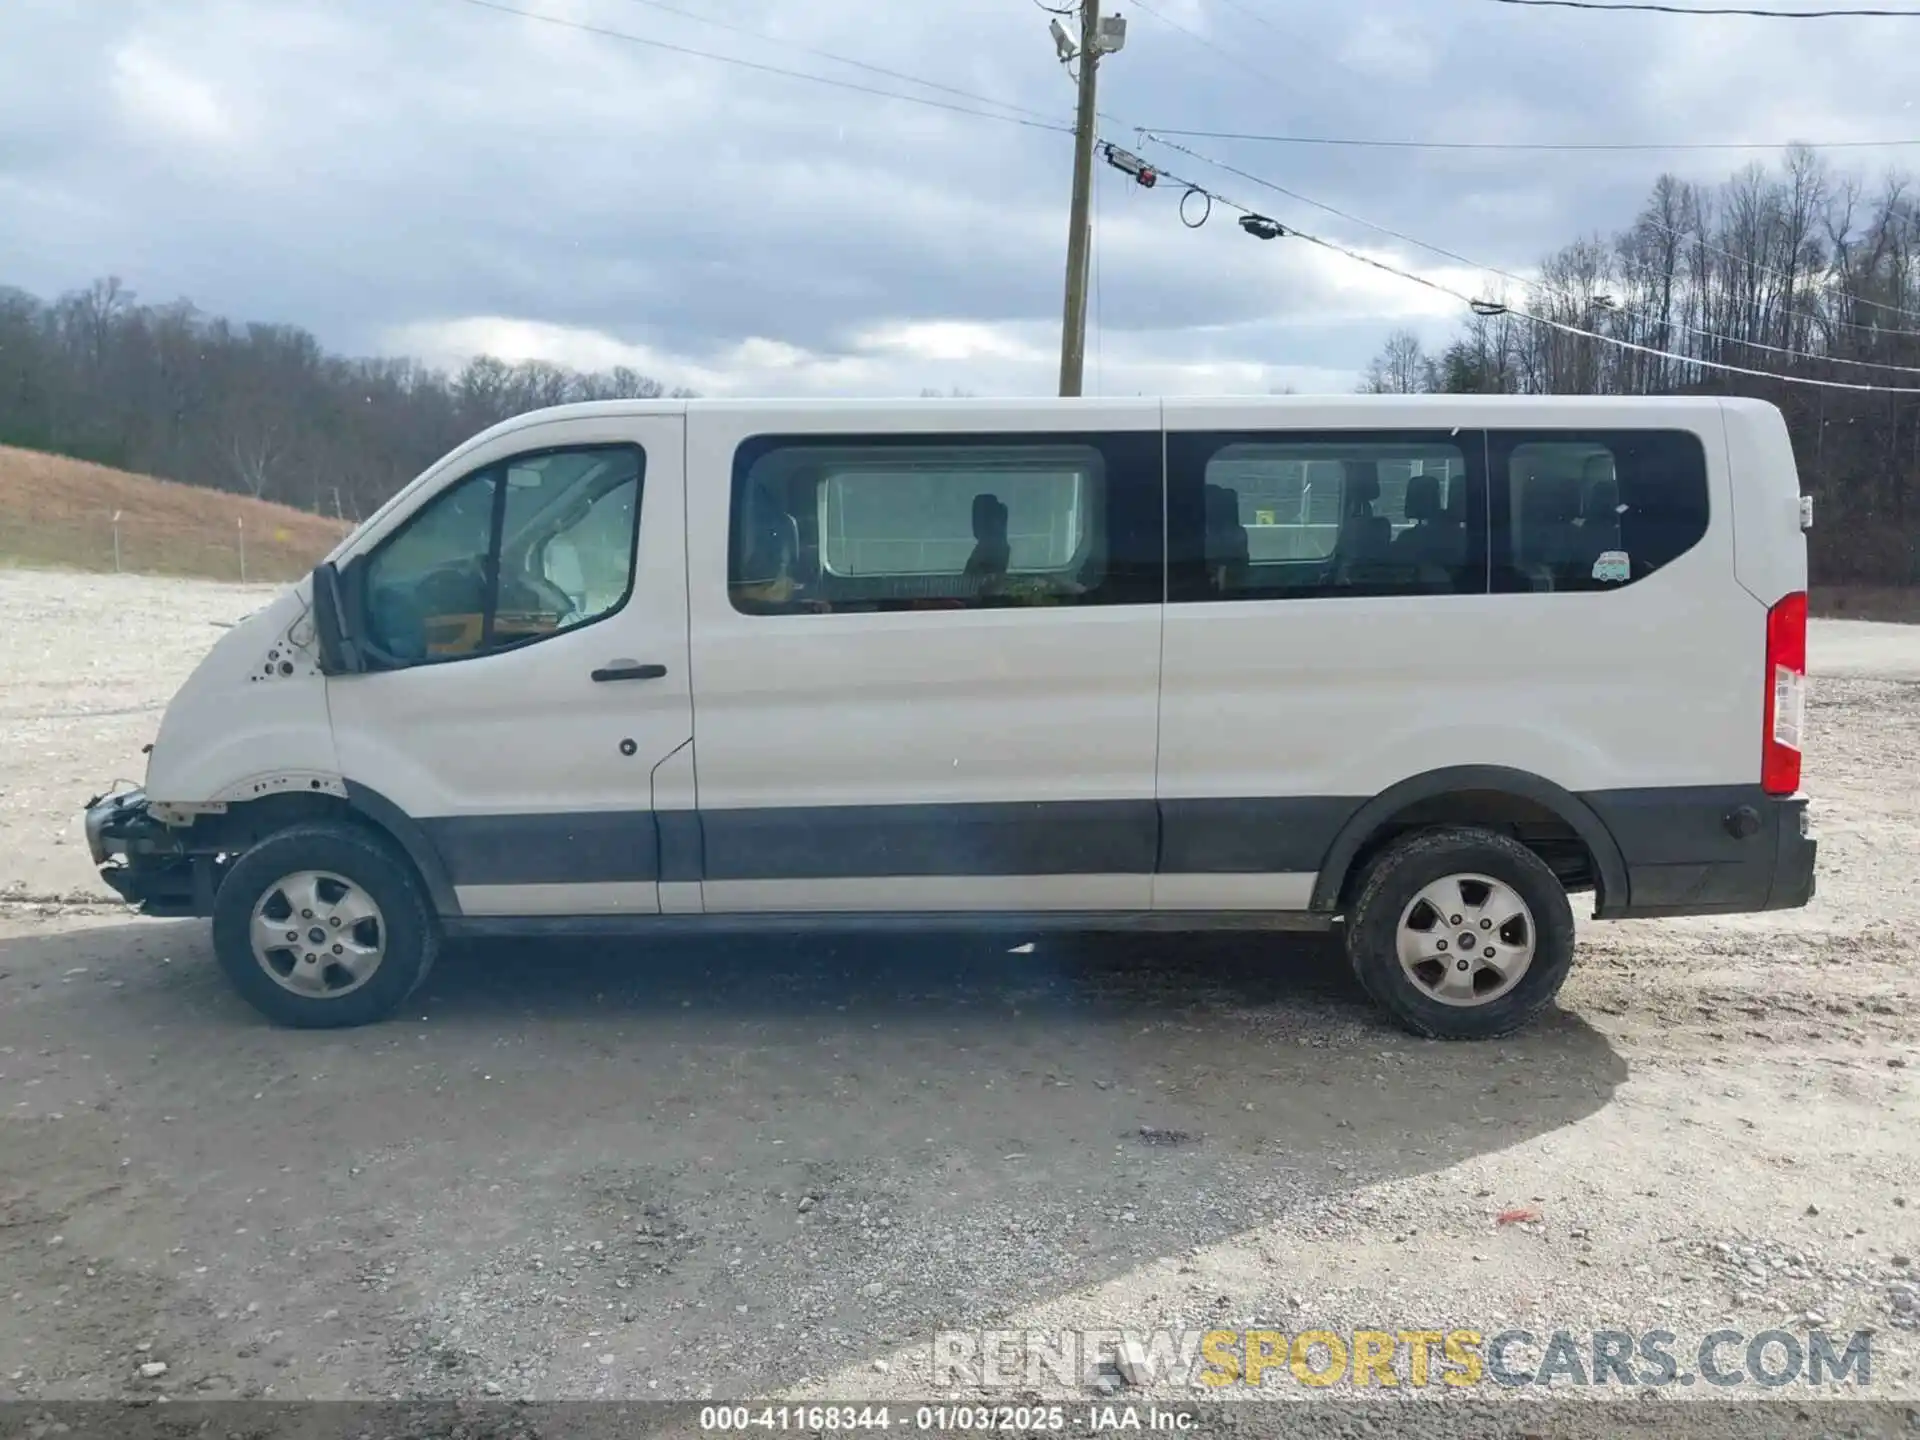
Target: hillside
[60,512]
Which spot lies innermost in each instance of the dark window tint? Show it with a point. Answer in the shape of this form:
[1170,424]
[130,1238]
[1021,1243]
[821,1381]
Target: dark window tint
[1275,515]
[839,524]
[1594,510]
[509,555]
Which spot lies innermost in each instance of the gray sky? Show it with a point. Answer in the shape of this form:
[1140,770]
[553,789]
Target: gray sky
[434,178]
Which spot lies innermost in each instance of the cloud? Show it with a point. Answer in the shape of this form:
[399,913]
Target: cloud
[894,360]
[160,100]
[949,340]
[443,178]
[452,343]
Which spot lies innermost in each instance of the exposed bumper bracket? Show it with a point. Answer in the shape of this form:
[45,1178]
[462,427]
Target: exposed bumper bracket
[144,861]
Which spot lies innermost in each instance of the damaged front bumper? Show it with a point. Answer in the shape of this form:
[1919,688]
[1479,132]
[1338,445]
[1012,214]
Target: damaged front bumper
[144,861]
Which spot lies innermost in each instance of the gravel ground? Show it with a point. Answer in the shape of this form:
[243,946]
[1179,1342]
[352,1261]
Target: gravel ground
[736,1168]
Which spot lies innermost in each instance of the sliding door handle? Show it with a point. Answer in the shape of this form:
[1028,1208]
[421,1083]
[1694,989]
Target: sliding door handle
[629,670]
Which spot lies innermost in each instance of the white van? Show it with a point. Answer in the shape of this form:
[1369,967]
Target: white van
[1424,664]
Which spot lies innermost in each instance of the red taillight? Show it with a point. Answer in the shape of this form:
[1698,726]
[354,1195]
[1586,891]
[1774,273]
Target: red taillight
[1786,710]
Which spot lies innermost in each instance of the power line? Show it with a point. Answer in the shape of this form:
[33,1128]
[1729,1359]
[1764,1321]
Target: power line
[1517,279]
[1716,10]
[756,65]
[1460,259]
[1542,145]
[881,70]
[1272,229]
[1157,137]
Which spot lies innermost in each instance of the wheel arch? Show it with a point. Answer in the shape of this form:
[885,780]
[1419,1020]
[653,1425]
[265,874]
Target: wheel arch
[1458,795]
[407,833]
[248,822]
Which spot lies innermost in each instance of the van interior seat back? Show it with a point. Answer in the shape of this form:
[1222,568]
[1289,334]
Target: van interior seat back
[1228,547]
[1425,514]
[1550,543]
[1600,508]
[992,551]
[1364,536]
[1441,546]
[1366,553]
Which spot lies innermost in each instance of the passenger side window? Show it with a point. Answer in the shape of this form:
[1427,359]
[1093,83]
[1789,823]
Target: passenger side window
[838,525]
[1594,510]
[512,554]
[1273,515]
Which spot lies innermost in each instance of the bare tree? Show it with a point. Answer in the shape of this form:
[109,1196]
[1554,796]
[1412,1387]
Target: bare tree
[254,456]
[1401,367]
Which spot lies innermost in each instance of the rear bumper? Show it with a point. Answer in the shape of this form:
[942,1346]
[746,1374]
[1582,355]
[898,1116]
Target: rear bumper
[144,861]
[1719,850]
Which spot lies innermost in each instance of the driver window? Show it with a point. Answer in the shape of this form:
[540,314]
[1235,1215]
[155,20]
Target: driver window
[508,556]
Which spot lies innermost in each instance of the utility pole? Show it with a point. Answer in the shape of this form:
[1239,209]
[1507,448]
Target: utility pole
[1096,39]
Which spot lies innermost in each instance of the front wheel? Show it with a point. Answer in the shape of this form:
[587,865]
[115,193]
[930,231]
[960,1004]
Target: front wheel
[323,926]
[1460,934]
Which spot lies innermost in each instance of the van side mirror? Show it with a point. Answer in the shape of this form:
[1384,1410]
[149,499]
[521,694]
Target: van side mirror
[339,652]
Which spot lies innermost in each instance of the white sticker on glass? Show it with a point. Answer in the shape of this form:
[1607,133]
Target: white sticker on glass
[1613,566]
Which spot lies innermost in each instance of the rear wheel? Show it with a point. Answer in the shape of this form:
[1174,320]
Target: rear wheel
[324,925]
[1460,934]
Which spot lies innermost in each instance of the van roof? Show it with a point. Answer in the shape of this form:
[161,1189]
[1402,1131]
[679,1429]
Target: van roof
[1427,409]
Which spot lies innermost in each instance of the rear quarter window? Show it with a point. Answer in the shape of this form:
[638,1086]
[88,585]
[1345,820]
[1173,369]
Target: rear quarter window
[1593,510]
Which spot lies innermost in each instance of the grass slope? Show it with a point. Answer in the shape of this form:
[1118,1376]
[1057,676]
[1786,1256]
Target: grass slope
[59,512]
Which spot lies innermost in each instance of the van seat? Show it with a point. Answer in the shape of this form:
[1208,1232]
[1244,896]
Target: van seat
[992,551]
[1424,510]
[1228,547]
[1550,544]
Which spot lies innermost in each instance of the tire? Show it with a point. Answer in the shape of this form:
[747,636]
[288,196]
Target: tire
[295,886]
[1492,989]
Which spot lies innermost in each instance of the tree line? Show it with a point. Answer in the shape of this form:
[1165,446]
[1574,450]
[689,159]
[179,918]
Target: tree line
[261,410]
[1791,270]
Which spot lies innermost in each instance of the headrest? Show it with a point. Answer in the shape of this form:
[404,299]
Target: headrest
[1423,497]
[1222,507]
[1596,469]
[1363,486]
[989,518]
[1603,500]
[1549,500]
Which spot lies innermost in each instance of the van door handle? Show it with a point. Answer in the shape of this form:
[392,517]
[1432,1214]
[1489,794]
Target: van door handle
[629,670]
